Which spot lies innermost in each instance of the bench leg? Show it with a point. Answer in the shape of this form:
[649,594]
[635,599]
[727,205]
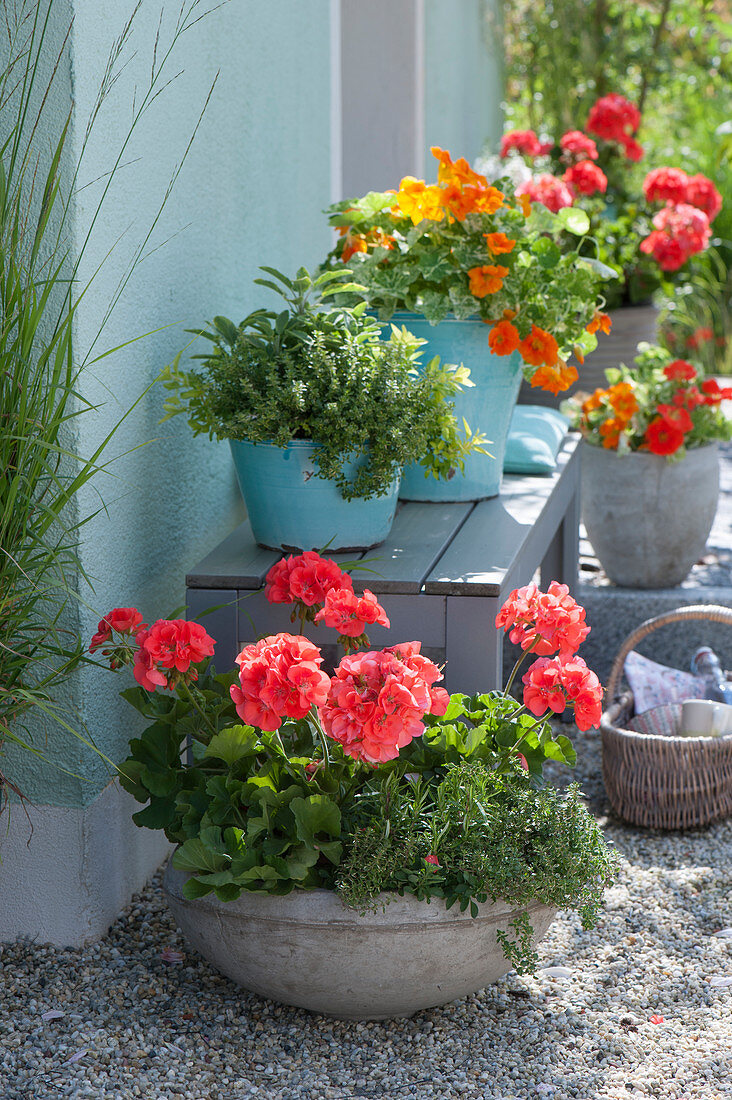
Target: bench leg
[561,559]
[474,648]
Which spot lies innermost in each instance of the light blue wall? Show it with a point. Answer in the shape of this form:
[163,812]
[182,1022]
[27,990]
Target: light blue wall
[463,77]
[251,192]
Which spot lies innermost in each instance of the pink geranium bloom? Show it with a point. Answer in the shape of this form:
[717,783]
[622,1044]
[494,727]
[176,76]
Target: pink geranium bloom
[349,614]
[279,677]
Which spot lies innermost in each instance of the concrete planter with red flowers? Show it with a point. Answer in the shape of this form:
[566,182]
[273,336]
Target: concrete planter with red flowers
[648,517]
[308,949]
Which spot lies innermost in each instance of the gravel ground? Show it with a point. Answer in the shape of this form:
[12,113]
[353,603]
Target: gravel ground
[638,1007]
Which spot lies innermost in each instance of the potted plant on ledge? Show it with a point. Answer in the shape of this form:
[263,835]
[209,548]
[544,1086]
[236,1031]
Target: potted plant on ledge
[361,844]
[650,467]
[321,413]
[466,266]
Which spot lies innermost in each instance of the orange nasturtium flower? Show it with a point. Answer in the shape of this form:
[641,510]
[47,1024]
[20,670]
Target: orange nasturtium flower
[610,431]
[525,204]
[600,321]
[455,201]
[487,279]
[555,378]
[623,401]
[539,347]
[503,338]
[354,242]
[498,243]
[458,171]
[484,200]
[594,401]
[417,201]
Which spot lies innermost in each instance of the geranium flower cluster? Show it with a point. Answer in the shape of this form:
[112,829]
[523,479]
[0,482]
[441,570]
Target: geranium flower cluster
[279,677]
[350,614]
[323,593]
[613,118]
[377,701]
[163,655]
[546,623]
[662,407]
[304,580]
[679,233]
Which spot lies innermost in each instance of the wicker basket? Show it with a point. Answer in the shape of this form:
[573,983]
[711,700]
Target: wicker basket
[652,776]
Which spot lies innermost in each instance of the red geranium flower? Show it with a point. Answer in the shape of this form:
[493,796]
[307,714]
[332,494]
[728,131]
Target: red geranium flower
[167,650]
[586,178]
[552,683]
[544,622]
[304,579]
[552,192]
[378,699]
[666,185]
[279,677]
[702,193]
[579,145]
[524,141]
[123,620]
[348,613]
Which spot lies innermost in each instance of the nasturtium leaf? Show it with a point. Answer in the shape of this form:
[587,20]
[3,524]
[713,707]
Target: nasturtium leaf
[547,252]
[434,305]
[573,220]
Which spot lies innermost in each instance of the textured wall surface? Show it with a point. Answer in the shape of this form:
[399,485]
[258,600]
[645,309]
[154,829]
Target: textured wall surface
[463,76]
[251,191]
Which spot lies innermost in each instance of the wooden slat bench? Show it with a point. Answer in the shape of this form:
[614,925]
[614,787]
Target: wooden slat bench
[441,576]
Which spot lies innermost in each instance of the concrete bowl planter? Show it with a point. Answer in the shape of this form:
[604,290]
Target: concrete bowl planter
[649,518]
[307,949]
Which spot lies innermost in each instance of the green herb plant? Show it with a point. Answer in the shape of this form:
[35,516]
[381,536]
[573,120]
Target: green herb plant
[330,376]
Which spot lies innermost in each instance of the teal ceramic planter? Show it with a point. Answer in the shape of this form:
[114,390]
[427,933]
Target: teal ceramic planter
[487,406]
[290,508]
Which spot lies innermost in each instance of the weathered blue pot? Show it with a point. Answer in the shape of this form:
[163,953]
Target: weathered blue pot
[290,508]
[487,406]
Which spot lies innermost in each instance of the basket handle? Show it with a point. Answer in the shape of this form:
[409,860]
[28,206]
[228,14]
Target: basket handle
[714,612]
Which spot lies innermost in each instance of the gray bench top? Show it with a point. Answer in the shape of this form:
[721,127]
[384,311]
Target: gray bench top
[456,549]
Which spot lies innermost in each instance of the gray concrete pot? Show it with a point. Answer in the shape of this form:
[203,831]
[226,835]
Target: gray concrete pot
[648,519]
[307,949]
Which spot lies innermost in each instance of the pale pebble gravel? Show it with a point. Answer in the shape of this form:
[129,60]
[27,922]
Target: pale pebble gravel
[145,1028]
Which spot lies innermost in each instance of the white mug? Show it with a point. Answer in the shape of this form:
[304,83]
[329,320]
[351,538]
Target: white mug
[705,718]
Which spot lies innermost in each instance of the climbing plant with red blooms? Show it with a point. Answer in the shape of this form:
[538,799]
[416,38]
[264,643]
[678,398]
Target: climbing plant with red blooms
[469,247]
[663,405]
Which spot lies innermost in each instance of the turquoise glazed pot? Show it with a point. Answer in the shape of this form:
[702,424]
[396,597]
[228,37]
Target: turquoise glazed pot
[487,406]
[290,508]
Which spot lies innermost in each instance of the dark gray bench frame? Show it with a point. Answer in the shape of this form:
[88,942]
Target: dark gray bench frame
[442,575]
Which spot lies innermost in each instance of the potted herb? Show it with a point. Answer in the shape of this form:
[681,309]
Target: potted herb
[360,844]
[322,413]
[650,467]
[462,263]
[644,224]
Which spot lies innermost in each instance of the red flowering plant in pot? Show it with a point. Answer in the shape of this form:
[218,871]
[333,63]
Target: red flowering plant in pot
[281,779]
[650,466]
[644,225]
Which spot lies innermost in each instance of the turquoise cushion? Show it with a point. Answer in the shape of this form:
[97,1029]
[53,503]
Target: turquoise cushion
[534,438]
